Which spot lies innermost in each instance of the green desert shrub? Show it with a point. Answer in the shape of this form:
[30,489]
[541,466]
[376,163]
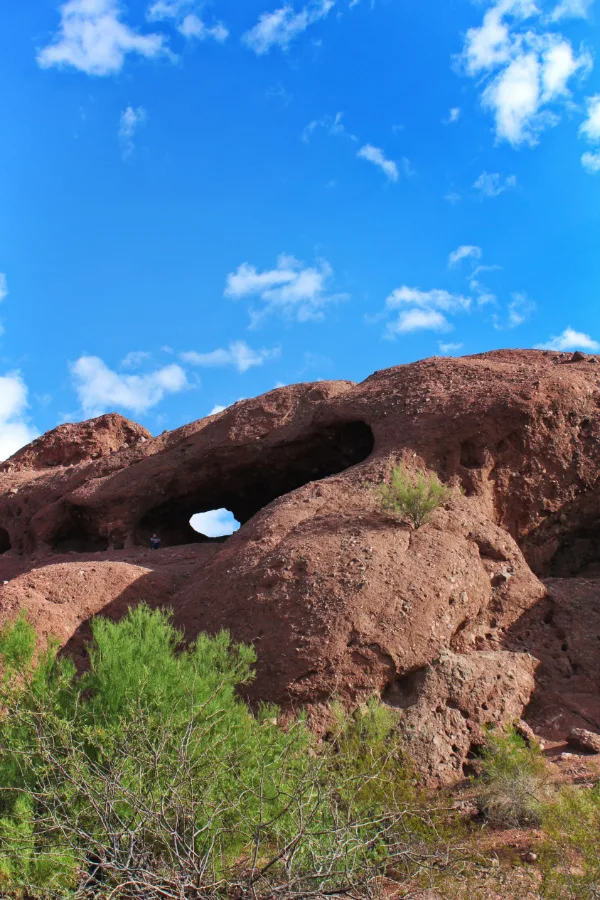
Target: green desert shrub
[512,781]
[413,497]
[150,771]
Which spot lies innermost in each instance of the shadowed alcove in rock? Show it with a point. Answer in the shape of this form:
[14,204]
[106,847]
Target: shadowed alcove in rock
[242,481]
[5,544]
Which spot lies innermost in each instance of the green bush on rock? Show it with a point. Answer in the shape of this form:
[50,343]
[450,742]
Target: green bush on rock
[413,498]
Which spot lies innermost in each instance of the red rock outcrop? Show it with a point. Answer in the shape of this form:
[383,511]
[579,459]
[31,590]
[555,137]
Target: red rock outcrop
[71,444]
[338,597]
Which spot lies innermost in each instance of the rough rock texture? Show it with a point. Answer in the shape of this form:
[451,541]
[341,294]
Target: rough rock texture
[584,740]
[338,598]
[69,444]
[448,703]
[563,632]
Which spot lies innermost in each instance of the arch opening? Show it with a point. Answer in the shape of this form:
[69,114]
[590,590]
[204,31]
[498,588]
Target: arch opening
[215,524]
[243,480]
[5,544]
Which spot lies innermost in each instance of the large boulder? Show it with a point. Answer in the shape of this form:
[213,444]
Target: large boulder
[340,599]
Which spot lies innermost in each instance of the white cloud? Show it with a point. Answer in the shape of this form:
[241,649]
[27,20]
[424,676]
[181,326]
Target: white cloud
[217,523]
[130,121]
[559,65]
[376,156]
[238,354]
[217,409]
[93,39]
[434,299]
[453,197]
[491,184]
[591,162]
[135,359]
[418,320]
[522,67]
[591,127]
[281,27]
[333,125]
[422,310]
[100,389]
[590,130]
[466,251]
[453,116]
[188,22]
[3,287]
[449,349]
[15,430]
[519,309]
[291,289]
[570,340]
[193,27]
[573,9]
[514,98]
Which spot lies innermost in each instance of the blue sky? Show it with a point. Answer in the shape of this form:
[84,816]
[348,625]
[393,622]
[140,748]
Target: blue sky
[202,201]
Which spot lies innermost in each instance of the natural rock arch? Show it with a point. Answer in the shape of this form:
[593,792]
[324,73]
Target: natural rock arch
[246,484]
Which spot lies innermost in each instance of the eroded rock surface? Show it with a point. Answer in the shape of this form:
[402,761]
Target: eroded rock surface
[339,599]
[448,703]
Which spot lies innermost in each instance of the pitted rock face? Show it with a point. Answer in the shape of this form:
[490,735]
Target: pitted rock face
[69,445]
[339,598]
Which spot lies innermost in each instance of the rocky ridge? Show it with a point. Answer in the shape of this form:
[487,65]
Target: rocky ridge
[339,598]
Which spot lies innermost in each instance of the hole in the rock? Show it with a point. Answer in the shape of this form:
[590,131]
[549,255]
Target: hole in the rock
[246,479]
[403,692]
[77,535]
[4,541]
[216,524]
[471,456]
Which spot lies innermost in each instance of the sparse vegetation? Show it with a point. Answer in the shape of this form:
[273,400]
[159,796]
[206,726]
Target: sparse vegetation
[149,777]
[571,862]
[414,498]
[513,784]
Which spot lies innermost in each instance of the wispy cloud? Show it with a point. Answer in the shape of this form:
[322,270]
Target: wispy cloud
[466,251]
[101,389]
[15,429]
[570,339]
[453,116]
[447,349]
[524,69]
[238,354]
[93,39]
[422,310]
[187,19]
[590,130]
[282,26]
[135,359]
[572,9]
[376,156]
[332,125]
[131,120]
[3,287]
[291,289]
[492,184]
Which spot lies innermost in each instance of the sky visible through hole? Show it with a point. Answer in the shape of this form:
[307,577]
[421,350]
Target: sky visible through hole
[216,523]
[208,200]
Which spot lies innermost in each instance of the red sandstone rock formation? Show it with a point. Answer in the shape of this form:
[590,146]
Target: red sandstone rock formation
[338,598]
